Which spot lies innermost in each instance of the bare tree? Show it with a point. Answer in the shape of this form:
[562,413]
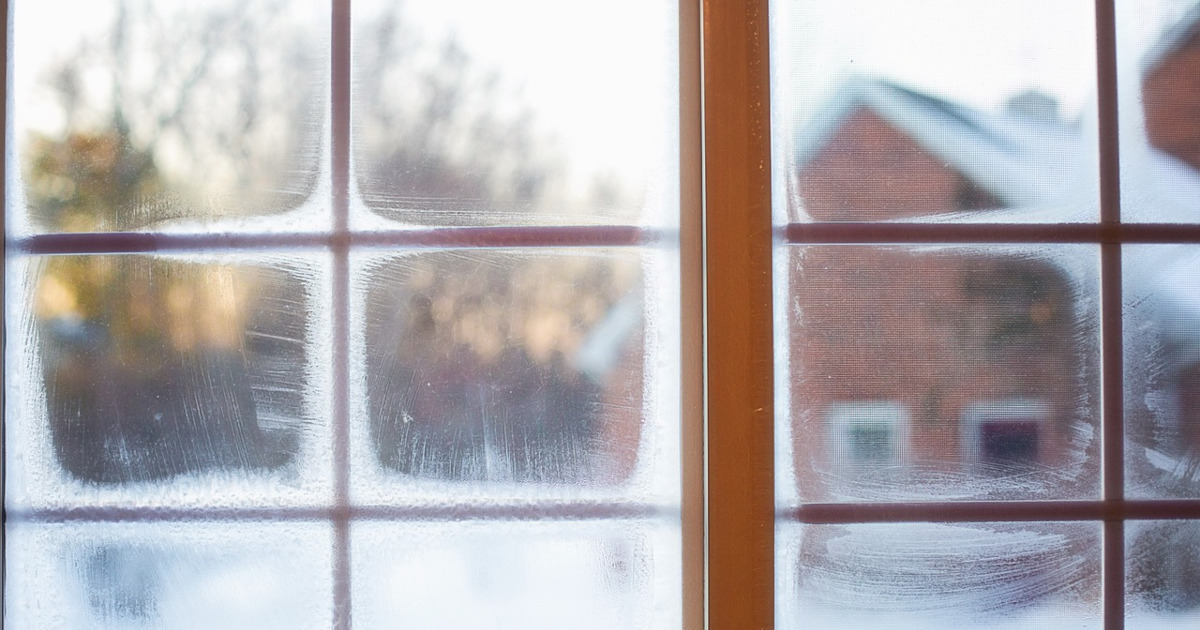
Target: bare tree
[440,138]
[218,112]
[223,104]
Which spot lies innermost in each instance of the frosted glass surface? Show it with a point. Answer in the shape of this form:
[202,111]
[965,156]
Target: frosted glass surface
[1158,47]
[167,114]
[933,110]
[994,576]
[1162,575]
[495,366]
[523,576]
[252,576]
[938,373]
[143,378]
[1162,370]
[469,112]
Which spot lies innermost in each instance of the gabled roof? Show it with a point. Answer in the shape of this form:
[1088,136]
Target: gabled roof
[1019,159]
[1037,166]
[1173,39]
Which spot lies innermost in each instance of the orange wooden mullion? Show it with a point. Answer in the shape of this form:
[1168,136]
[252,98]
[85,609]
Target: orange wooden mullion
[737,216]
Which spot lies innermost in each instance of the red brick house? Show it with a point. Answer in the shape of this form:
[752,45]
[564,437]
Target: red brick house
[919,364]
[1171,91]
[974,371]
[1164,411]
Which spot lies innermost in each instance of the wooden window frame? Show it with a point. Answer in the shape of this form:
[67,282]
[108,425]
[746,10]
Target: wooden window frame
[340,240]
[739,236]
[726,240]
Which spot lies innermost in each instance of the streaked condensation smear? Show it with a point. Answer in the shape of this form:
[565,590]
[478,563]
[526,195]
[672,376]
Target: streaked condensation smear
[137,114]
[470,112]
[519,576]
[1158,47]
[506,366]
[1162,575]
[244,576]
[144,369]
[939,373]
[191,434]
[1162,370]
[939,576]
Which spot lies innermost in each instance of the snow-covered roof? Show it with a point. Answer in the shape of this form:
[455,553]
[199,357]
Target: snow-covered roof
[1173,39]
[1035,166]
[1039,168]
[1019,159]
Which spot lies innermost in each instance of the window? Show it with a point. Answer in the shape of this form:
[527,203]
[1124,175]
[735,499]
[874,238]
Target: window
[1005,433]
[867,434]
[346,323]
[966,228]
[387,365]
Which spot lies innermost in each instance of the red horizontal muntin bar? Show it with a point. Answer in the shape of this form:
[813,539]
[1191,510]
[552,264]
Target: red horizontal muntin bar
[988,511]
[869,233]
[475,237]
[532,236]
[533,511]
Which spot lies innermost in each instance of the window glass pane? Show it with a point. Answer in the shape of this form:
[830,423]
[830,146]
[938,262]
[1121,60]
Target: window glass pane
[238,575]
[165,380]
[471,113]
[136,114]
[512,367]
[322,390]
[1159,56]
[969,111]
[939,576]
[1163,575]
[1162,370]
[549,575]
[952,372]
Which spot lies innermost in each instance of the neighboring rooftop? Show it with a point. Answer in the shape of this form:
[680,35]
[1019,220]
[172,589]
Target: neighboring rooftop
[1020,156]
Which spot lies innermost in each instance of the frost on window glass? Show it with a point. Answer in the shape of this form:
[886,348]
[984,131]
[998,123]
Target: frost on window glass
[138,114]
[504,366]
[169,575]
[147,368]
[1162,572]
[470,113]
[1010,576]
[546,575]
[939,373]
[1162,369]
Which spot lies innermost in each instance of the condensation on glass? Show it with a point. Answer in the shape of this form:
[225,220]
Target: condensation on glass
[516,575]
[1158,46]
[173,420]
[190,376]
[946,372]
[540,373]
[1162,370]
[505,366]
[471,113]
[138,115]
[1162,575]
[951,372]
[934,111]
[239,575]
[1010,576]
